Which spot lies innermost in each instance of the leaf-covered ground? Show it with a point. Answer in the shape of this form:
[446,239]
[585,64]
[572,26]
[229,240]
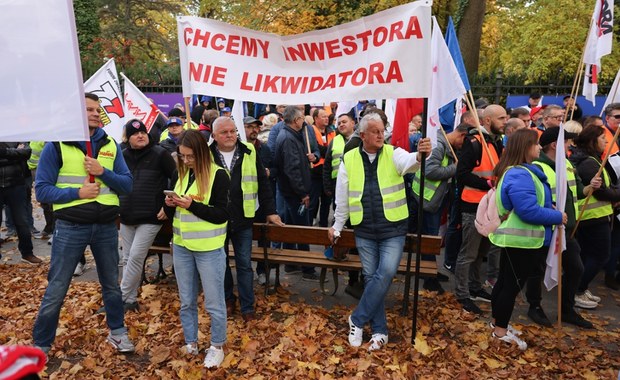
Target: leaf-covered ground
[295,340]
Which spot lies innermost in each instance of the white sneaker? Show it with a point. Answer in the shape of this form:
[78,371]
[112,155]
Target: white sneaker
[355,334]
[191,348]
[592,297]
[79,270]
[215,357]
[262,279]
[512,338]
[377,342]
[584,302]
[121,343]
[510,328]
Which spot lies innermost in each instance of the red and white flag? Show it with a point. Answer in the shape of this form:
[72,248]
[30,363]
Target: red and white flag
[598,44]
[104,83]
[558,244]
[446,82]
[406,109]
[138,106]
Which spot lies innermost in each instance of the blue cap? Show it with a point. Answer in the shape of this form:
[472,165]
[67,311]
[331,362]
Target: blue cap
[221,100]
[226,109]
[175,120]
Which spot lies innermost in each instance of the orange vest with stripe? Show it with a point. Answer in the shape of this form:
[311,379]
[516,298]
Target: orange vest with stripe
[609,137]
[319,139]
[483,170]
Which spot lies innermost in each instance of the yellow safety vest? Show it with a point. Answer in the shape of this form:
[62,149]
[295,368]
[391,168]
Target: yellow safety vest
[72,174]
[595,208]
[338,144]
[430,186]
[249,182]
[514,232]
[36,147]
[190,231]
[391,185]
[570,177]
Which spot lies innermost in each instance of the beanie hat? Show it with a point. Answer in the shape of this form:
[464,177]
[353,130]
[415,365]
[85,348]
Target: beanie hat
[134,126]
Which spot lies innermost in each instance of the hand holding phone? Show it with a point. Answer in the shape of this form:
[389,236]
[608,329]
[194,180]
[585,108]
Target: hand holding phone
[171,194]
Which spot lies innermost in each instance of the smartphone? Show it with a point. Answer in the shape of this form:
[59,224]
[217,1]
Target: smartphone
[171,193]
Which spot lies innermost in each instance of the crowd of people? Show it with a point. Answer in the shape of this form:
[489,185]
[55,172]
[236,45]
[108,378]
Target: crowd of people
[297,165]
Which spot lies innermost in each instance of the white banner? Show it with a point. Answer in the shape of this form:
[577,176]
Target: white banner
[41,91]
[137,105]
[104,83]
[385,55]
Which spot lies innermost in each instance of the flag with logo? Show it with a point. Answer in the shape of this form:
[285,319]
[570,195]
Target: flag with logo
[105,84]
[446,82]
[598,44]
[558,243]
[137,105]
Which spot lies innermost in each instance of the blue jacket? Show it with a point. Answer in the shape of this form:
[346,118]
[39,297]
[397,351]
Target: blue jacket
[519,195]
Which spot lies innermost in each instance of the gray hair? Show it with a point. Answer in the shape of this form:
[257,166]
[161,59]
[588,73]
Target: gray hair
[290,114]
[369,117]
[550,108]
[221,121]
[612,107]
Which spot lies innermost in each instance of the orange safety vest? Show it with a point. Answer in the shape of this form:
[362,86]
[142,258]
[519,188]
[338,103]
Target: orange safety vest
[609,137]
[483,170]
[319,140]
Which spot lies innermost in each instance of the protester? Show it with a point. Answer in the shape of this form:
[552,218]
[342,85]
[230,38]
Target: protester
[142,212]
[524,236]
[371,192]
[324,135]
[175,128]
[199,227]
[86,213]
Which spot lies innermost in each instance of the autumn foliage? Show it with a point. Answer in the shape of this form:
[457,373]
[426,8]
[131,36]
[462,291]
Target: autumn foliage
[295,340]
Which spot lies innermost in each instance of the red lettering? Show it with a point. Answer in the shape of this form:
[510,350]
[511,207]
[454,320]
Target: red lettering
[204,38]
[394,73]
[207,73]
[294,53]
[413,28]
[315,84]
[364,37]
[186,38]
[304,85]
[265,46]
[333,49]
[359,76]
[195,72]
[286,57]
[215,39]
[330,82]
[270,83]
[232,47]
[244,82]
[350,45]
[290,84]
[395,31]
[380,35]
[219,73]
[248,47]
[315,51]
[375,71]
[343,77]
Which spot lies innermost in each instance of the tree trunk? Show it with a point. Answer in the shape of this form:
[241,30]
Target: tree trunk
[470,32]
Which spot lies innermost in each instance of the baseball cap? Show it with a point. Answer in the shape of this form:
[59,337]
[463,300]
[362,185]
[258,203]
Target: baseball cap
[551,134]
[226,109]
[535,110]
[174,120]
[251,120]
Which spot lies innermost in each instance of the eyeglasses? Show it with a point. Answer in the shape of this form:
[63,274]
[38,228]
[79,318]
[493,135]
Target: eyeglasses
[557,117]
[186,157]
[617,117]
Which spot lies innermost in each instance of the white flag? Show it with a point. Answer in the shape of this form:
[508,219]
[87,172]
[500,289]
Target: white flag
[138,106]
[446,83]
[237,115]
[598,44]
[614,94]
[556,248]
[104,83]
[390,110]
[345,107]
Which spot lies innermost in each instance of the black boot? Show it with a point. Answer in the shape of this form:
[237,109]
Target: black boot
[610,282]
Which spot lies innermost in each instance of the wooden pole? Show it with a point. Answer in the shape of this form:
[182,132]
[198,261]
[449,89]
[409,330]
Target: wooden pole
[187,113]
[559,243]
[598,173]
[472,106]
[577,79]
[456,160]
[305,127]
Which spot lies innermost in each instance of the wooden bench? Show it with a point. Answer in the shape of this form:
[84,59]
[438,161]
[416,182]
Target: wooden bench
[267,233]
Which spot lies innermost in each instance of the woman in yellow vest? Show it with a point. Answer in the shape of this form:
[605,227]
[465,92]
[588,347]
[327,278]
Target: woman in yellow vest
[200,200]
[524,200]
[594,230]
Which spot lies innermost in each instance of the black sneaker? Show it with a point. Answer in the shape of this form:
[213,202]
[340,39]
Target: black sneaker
[356,290]
[480,295]
[433,285]
[442,277]
[539,317]
[449,267]
[131,306]
[469,306]
[574,318]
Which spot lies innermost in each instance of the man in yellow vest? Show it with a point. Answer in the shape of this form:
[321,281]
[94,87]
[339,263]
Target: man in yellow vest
[86,213]
[249,188]
[571,259]
[370,191]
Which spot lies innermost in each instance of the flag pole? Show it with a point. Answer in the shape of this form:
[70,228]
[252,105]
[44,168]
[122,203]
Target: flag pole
[187,113]
[305,127]
[598,173]
[472,106]
[456,160]
[559,244]
[89,153]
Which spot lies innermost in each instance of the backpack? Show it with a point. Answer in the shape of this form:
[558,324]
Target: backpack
[487,215]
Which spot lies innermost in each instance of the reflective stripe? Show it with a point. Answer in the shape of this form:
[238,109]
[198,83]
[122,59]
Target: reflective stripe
[249,178]
[106,191]
[538,234]
[355,209]
[70,179]
[354,194]
[203,234]
[572,182]
[395,204]
[593,205]
[394,188]
[249,197]
[189,218]
[336,156]
[486,173]
[430,185]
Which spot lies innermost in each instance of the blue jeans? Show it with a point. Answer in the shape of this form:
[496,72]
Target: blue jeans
[70,241]
[242,244]
[190,267]
[16,197]
[27,203]
[380,260]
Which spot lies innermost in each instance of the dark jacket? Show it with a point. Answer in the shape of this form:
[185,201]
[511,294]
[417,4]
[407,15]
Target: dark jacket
[169,144]
[469,158]
[152,169]
[293,167]
[12,163]
[237,220]
[119,180]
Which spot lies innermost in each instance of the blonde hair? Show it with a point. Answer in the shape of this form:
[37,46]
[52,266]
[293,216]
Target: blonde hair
[573,127]
[195,141]
[270,120]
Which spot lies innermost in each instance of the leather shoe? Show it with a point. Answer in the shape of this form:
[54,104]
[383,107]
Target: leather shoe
[574,318]
[539,317]
[248,317]
[356,290]
[230,307]
[433,285]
